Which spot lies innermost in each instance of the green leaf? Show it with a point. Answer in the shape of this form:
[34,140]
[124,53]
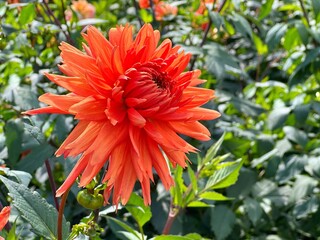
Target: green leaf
[213,196]
[193,179]
[198,204]
[145,16]
[219,61]
[253,209]
[306,207]
[216,19]
[34,209]
[266,9]
[295,135]
[138,210]
[36,158]
[242,25]
[311,56]
[316,7]
[90,21]
[212,151]
[222,221]
[27,14]
[14,132]
[225,176]
[190,236]
[179,188]
[118,228]
[277,117]
[275,34]
[261,47]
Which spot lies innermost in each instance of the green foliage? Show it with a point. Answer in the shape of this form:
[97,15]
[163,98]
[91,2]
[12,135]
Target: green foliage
[35,210]
[260,180]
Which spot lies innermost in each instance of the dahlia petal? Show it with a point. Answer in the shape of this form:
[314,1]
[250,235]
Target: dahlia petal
[192,129]
[85,137]
[116,112]
[203,114]
[160,165]
[198,96]
[176,157]
[163,50]
[62,102]
[76,59]
[95,40]
[45,110]
[139,141]
[76,171]
[108,139]
[4,216]
[133,102]
[169,138]
[76,132]
[136,118]
[89,108]
[76,85]
[145,185]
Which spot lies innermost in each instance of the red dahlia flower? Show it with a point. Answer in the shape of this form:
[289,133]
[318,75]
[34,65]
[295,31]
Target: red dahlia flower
[131,98]
[4,217]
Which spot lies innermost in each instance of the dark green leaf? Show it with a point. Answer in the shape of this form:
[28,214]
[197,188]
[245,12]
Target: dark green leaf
[13,132]
[34,209]
[278,117]
[222,221]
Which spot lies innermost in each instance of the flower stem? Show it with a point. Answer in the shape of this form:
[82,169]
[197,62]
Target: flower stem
[60,215]
[204,38]
[52,184]
[137,12]
[57,22]
[173,213]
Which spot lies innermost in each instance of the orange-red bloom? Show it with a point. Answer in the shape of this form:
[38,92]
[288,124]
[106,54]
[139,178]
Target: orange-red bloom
[146,3]
[82,8]
[4,217]
[163,9]
[132,99]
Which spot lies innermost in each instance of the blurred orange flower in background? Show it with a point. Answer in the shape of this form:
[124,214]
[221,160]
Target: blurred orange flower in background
[163,9]
[132,99]
[82,8]
[146,3]
[4,217]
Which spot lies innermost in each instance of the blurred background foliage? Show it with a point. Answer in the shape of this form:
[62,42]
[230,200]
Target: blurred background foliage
[261,57]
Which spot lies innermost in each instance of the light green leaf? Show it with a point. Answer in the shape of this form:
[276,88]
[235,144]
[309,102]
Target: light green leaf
[224,176]
[193,179]
[296,135]
[198,204]
[266,9]
[212,151]
[261,47]
[213,196]
[242,25]
[27,14]
[34,209]
[138,210]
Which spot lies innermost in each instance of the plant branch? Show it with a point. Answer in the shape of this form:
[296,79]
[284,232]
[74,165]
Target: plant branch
[304,12]
[60,215]
[173,213]
[57,22]
[52,183]
[137,12]
[204,38]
